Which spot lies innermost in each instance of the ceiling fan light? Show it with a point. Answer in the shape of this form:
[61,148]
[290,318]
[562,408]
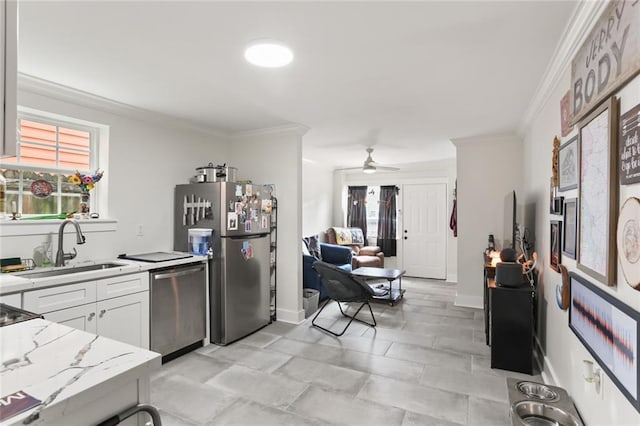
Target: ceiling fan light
[368,168]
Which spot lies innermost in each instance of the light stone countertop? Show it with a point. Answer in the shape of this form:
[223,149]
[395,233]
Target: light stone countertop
[20,281]
[65,368]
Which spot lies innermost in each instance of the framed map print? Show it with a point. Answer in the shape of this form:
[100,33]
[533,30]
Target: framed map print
[597,189]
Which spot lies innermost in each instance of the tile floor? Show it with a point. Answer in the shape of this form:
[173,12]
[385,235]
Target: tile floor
[425,363]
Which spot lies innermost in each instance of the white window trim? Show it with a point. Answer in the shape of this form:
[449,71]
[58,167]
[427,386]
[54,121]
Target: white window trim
[99,200]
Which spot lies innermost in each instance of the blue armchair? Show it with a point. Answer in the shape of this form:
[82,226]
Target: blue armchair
[334,254]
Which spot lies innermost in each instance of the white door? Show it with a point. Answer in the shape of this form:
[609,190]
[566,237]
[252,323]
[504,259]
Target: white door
[424,230]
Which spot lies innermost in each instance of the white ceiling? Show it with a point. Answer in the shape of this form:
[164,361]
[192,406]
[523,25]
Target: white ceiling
[403,77]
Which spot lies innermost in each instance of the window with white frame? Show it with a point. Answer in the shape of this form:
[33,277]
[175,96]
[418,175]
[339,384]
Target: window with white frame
[49,151]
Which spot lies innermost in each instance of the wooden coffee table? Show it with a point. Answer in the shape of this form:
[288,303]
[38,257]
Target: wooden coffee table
[393,294]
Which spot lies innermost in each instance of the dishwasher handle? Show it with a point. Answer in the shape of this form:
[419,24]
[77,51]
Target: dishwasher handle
[178,273]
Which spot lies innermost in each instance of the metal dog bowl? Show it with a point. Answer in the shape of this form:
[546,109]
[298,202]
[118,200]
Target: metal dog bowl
[538,391]
[535,413]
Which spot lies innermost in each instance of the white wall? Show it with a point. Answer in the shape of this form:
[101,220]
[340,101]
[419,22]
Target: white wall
[489,167]
[148,156]
[317,198]
[563,353]
[275,156]
[427,172]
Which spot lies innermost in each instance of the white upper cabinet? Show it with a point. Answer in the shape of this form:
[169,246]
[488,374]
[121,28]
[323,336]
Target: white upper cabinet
[8,76]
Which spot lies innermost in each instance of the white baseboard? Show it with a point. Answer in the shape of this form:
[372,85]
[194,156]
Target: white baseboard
[469,301]
[452,278]
[293,317]
[546,368]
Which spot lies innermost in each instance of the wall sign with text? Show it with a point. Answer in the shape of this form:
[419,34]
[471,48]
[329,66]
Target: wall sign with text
[629,144]
[609,56]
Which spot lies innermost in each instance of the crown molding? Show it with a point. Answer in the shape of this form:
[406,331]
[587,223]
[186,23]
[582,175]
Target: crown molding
[38,86]
[582,20]
[497,138]
[299,129]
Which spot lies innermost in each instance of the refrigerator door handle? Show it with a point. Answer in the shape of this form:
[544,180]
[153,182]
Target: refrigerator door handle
[247,237]
[179,273]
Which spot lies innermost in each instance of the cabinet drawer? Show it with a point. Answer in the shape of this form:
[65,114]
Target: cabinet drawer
[14,299]
[122,285]
[56,298]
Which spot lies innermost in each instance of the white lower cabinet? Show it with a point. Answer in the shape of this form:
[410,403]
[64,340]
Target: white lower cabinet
[125,318]
[116,307]
[80,317]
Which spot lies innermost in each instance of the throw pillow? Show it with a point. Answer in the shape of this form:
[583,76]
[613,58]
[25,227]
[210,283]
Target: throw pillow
[357,237]
[313,244]
[305,249]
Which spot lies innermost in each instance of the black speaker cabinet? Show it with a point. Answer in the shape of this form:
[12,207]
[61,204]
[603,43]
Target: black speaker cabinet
[511,318]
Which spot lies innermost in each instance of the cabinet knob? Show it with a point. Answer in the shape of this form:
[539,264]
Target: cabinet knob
[405,238]
[91,315]
[102,312]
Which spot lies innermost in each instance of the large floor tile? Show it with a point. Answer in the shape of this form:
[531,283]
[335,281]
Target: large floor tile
[258,359]
[260,339]
[415,419]
[433,402]
[438,330]
[400,336]
[343,409]
[476,384]
[357,343]
[328,354]
[324,375]
[194,366]
[245,413]
[383,366]
[462,345]
[192,401]
[429,356]
[487,413]
[258,386]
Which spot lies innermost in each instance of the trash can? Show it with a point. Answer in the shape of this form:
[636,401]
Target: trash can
[310,298]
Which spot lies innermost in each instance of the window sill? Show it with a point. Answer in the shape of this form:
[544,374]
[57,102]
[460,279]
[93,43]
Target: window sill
[16,228]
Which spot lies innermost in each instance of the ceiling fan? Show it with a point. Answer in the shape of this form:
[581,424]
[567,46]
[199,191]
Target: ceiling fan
[370,166]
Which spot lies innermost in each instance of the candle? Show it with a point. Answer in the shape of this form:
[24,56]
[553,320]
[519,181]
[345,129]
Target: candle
[14,207]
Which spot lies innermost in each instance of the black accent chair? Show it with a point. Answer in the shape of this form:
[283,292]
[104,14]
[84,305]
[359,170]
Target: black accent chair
[341,286]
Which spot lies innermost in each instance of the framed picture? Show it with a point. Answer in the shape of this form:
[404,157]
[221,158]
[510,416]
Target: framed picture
[609,330]
[570,228]
[598,193]
[568,165]
[629,152]
[628,239]
[554,245]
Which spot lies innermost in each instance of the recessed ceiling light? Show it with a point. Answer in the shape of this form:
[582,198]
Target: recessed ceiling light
[268,54]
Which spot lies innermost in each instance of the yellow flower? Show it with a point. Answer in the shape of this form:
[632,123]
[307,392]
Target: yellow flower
[75,179]
[90,186]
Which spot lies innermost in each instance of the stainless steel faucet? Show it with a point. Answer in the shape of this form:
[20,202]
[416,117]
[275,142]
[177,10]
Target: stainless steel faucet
[61,256]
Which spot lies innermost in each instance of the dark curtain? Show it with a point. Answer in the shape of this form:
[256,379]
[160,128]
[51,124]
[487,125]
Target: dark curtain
[387,220]
[357,208]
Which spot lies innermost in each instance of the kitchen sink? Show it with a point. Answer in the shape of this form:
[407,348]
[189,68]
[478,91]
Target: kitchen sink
[541,414]
[71,270]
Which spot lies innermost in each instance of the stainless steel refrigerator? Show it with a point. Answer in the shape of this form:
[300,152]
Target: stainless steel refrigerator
[239,216]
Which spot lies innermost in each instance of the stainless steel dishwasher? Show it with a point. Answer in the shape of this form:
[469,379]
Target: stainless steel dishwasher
[178,309]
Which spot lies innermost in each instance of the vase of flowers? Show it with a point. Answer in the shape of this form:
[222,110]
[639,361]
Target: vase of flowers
[86,182]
